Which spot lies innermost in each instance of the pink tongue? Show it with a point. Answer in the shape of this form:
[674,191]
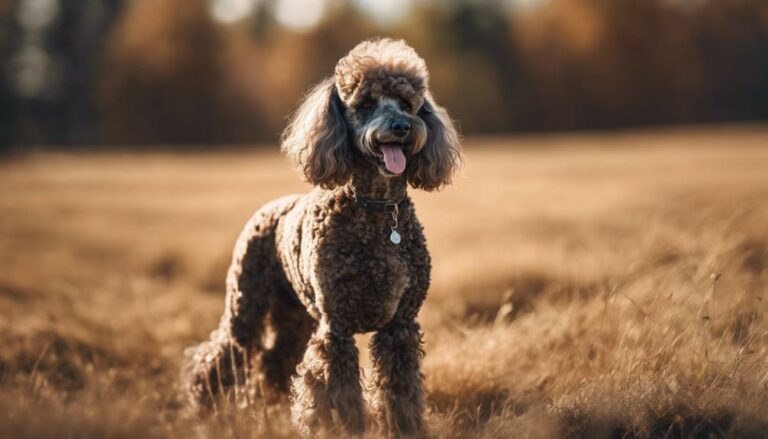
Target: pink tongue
[394,159]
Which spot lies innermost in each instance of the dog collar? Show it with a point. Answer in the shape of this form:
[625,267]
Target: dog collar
[388,206]
[391,207]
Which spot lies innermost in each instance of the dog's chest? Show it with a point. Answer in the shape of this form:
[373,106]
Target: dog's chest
[379,294]
[365,279]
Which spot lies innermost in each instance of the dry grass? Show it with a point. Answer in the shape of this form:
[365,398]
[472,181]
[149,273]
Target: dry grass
[584,286]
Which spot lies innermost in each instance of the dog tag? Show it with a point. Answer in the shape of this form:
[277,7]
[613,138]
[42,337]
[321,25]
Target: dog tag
[394,237]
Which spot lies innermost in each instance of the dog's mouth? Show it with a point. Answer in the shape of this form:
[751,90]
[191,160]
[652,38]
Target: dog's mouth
[391,155]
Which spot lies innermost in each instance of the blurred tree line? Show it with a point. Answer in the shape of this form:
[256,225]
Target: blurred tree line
[140,72]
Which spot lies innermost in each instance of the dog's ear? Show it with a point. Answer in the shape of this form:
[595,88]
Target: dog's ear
[317,137]
[441,155]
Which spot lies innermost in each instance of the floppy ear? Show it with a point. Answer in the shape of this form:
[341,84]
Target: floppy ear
[441,156]
[317,138]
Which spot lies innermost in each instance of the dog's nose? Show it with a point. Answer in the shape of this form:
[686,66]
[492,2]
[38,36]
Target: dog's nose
[400,127]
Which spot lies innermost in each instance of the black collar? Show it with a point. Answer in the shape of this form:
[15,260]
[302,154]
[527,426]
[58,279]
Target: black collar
[378,205]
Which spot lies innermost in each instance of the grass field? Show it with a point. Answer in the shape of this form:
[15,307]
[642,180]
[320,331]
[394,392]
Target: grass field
[583,286]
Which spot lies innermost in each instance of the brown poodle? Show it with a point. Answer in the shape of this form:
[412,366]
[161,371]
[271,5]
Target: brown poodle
[347,258]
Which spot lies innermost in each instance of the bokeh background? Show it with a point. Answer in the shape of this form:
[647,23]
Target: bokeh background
[142,72]
[600,265]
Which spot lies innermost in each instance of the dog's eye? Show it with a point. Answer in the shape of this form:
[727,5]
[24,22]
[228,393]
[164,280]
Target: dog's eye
[404,105]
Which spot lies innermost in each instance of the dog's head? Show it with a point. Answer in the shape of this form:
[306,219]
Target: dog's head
[376,109]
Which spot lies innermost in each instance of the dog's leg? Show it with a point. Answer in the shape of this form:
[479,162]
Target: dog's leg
[212,368]
[328,384]
[292,326]
[216,366]
[398,401]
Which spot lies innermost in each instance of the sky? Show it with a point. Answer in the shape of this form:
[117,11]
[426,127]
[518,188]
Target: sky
[304,14]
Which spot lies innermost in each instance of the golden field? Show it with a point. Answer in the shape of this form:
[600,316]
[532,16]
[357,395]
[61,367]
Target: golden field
[589,285]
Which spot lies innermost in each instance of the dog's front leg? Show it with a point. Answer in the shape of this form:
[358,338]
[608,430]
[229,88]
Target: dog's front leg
[328,384]
[398,401]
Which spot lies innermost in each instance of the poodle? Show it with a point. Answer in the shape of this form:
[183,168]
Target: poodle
[349,257]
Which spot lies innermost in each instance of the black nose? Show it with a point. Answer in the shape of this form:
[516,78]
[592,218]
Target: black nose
[400,127]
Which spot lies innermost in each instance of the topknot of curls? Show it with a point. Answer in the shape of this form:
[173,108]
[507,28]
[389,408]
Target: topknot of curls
[382,67]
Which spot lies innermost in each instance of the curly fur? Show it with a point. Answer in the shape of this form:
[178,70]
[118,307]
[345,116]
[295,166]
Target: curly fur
[316,139]
[318,268]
